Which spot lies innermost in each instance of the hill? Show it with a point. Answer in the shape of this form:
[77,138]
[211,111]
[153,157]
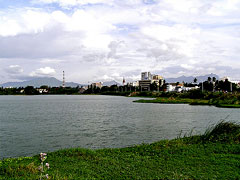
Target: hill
[189,79]
[110,83]
[37,82]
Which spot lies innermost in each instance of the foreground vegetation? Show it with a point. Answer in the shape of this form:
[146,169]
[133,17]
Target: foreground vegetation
[214,155]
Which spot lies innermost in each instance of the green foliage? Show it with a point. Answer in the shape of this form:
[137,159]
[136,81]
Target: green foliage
[195,97]
[30,90]
[10,91]
[223,132]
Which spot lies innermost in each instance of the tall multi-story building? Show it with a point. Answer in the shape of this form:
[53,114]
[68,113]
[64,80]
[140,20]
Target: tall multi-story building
[146,76]
[147,79]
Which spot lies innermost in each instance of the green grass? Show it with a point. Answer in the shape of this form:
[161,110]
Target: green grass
[172,100]
[228,105]
[213,155]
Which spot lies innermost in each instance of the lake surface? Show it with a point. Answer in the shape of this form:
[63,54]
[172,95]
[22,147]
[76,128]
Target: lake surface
[33,124]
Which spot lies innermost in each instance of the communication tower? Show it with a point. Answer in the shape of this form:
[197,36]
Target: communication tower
[63,83]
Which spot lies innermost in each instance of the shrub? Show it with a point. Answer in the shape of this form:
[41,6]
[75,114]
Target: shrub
[223,132]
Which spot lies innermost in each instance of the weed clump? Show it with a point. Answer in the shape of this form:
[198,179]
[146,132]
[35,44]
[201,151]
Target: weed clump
[227,132]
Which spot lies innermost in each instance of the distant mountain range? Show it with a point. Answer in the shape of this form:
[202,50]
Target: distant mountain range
[37,82]
[49,81]
[53,82]
[189,79]
[110,83]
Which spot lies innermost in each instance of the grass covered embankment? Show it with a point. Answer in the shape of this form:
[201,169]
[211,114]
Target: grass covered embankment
[171,100]
[195,97]
[164,100]
[214,155]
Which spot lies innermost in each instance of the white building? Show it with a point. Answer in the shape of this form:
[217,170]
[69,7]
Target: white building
[170,88]
[225,78]
[134,84]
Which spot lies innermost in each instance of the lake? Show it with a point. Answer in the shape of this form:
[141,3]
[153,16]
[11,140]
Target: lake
[33,124]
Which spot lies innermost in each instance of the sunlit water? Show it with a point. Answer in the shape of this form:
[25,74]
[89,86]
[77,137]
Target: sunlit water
[33,124]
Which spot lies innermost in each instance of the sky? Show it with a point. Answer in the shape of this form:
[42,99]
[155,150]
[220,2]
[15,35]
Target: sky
[103,40]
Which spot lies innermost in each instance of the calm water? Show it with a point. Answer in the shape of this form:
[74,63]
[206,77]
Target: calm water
[33,124]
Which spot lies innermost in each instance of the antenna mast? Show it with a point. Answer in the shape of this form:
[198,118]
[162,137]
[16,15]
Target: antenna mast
[63,83]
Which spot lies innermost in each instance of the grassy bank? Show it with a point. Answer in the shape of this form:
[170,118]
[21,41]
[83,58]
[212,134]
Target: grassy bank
[172,100]
[214,155]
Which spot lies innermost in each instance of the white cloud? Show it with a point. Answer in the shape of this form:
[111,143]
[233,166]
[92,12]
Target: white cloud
[70,3]
[97,38]
[14,69]
[46,71]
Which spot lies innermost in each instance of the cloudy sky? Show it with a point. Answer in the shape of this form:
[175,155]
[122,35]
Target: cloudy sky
[100,40]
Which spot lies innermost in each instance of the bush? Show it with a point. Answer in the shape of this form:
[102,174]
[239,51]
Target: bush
[223,132]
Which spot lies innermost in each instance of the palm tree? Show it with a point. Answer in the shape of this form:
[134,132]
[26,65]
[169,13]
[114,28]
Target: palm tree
[214,83]
[195,80]
[214,79]
[209,79]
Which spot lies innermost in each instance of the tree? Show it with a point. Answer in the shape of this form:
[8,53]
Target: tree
[195,80]
[209,79]
[29,90]
[153,86]
[214,83]
[214,79]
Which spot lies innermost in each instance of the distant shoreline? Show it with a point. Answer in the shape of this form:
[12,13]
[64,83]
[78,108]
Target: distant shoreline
[187,101]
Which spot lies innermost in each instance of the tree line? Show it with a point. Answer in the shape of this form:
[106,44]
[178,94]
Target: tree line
[210,85]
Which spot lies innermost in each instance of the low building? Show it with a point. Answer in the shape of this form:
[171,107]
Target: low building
[145,85]
[134,84]
[97,85]
[225,78]
[42,91]
[191,88]
[157,77]
[81,90]
[171,87]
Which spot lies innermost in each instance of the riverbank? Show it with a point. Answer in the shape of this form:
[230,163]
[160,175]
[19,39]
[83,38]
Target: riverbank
[172,100]
[214,155]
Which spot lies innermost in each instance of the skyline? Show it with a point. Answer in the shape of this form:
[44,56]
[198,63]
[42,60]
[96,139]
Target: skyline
[107,40]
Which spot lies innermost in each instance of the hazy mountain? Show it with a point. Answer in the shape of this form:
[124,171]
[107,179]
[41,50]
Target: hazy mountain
[37,82]
[190,79]
[110,83]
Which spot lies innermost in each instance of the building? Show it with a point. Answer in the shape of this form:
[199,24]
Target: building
[41,91]
[146,76]
[158,80]
[81,90]
[157,77]
[179,87]
[171,87]
[97,85]
[225,78]
[145,85]
[134,84]
[147,79]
